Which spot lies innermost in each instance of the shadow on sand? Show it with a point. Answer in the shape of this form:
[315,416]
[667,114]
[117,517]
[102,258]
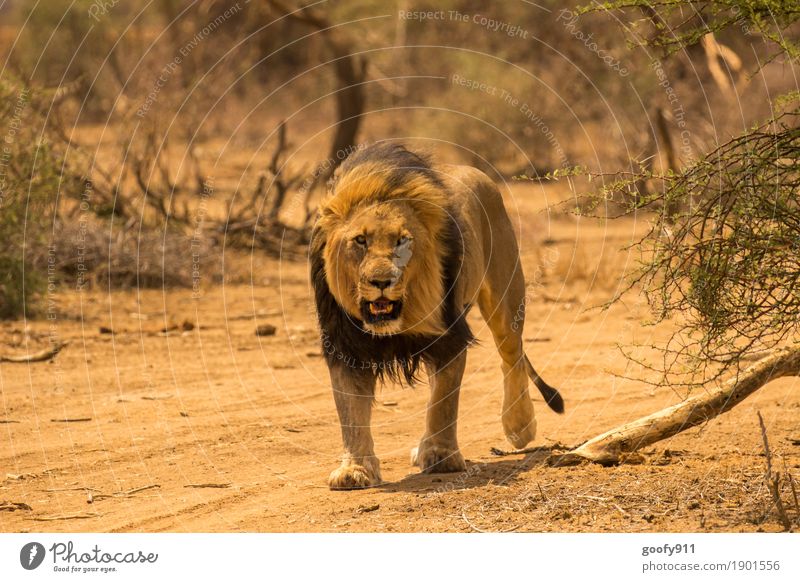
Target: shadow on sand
[477,474]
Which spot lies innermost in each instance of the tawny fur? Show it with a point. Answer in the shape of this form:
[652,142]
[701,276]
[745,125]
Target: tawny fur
[381,203]
[363,192]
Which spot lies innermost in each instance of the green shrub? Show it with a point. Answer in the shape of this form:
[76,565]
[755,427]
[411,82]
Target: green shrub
[30,174]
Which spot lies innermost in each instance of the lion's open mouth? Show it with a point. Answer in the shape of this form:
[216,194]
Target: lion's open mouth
[380,310]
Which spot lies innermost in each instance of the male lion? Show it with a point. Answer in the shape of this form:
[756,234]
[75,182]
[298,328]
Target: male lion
[400,252]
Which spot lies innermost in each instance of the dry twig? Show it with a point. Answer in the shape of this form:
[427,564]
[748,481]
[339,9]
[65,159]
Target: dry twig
[773,479]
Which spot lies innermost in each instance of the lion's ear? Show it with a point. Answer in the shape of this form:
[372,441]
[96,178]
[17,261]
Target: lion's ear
[326,209]
[327,222]
[334,179]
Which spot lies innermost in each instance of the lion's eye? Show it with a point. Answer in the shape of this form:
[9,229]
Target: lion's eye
[361,240]
[403,240]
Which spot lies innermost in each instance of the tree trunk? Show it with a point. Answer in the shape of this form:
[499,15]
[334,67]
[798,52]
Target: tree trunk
[351,71]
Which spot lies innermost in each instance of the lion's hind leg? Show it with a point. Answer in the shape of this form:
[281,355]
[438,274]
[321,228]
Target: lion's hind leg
[502,305]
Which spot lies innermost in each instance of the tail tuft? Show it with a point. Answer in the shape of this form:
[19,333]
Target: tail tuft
[550,394]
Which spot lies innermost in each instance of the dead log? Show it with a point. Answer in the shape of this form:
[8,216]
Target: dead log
[611,447]
[41,356]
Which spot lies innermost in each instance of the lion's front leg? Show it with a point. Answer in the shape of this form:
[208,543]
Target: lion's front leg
[438,450]
[353,391]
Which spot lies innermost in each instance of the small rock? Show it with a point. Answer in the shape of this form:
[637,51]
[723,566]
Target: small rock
[266,329]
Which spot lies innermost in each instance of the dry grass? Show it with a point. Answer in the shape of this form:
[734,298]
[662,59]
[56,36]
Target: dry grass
[98,253]
[669,488]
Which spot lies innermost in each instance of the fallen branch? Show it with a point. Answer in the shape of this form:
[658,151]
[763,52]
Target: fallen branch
[480,530]
[42,356]
[60,489]
[611,447]
[527,451]
[91,498]
[13,477]
[83,515]
[14,506]
[140,489]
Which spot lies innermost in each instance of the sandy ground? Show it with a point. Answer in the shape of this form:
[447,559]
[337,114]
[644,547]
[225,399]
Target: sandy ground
[216,429]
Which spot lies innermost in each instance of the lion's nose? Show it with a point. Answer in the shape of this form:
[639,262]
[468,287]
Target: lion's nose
[380,283]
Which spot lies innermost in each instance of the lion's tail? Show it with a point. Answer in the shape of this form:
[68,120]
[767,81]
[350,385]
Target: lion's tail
[550,394]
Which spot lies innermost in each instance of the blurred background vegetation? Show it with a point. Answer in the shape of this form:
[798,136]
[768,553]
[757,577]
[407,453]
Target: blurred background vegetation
[191,126]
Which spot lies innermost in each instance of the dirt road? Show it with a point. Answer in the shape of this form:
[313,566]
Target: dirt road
[216,429]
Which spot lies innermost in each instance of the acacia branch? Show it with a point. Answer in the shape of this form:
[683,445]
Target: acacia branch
[610,447]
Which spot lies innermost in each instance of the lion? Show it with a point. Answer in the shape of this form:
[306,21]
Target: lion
[400,252]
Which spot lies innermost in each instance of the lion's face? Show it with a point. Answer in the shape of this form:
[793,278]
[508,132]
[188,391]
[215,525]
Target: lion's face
[375,262]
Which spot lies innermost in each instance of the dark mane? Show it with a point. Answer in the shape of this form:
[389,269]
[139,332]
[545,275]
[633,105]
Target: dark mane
[401,164]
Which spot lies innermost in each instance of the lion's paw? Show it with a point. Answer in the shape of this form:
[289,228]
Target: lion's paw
[521,432]
[435,459]
[354,476]
[521,436]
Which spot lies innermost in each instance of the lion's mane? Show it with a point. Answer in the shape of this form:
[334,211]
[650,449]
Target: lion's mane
[388,172]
